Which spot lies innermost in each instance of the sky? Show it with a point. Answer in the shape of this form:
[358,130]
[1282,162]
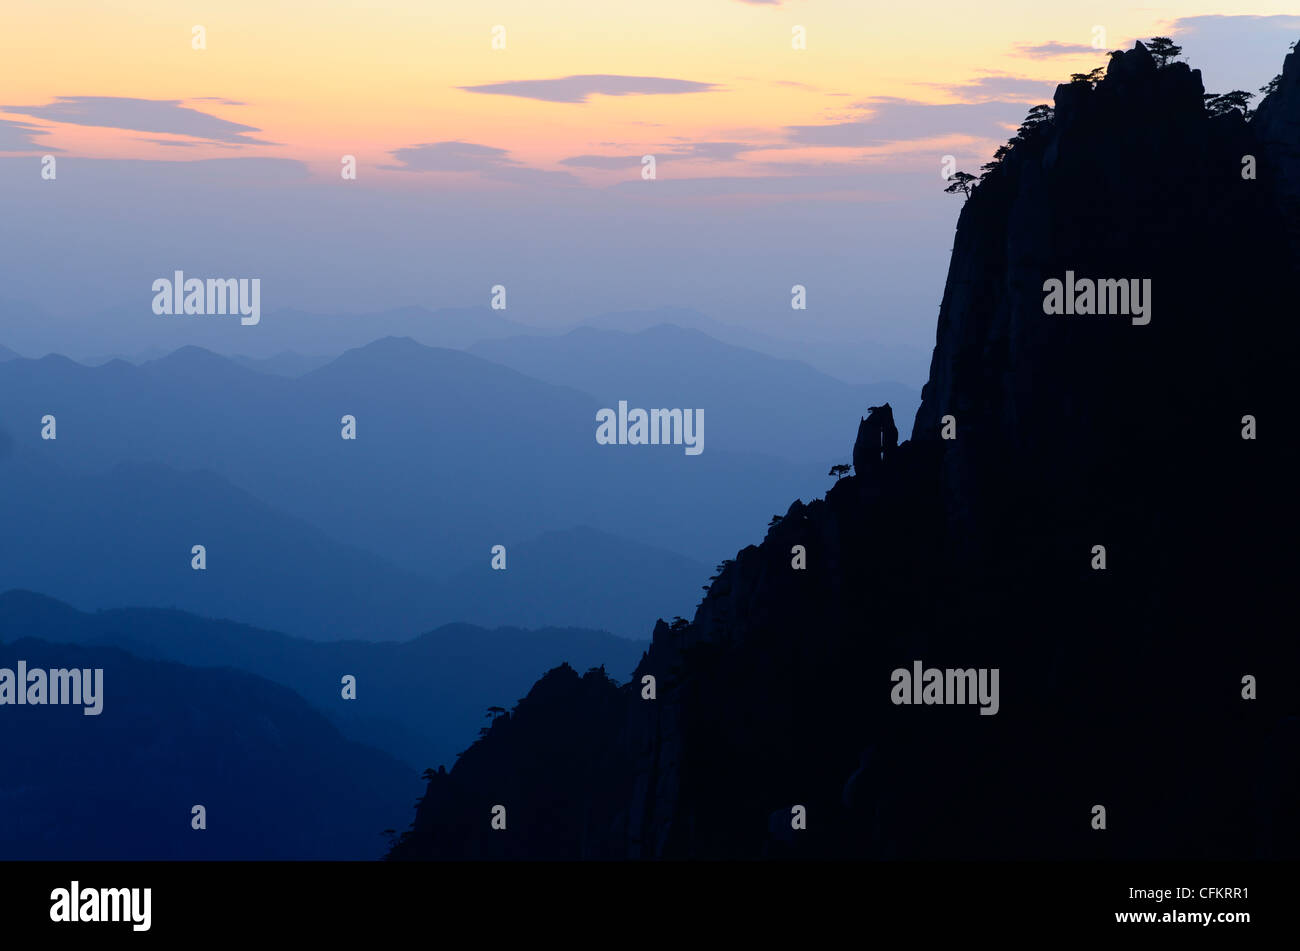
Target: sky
[502,143]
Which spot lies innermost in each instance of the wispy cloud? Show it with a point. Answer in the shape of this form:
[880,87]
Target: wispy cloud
[999,87]
[448,157]
[580,88]
[606,162]
[714,151]
[707,151]
[1241,25]
[1053,48]
[141,175]
[486,160]
[141,115]
[834,180]
[18,137]
[1235,52]
[902,120]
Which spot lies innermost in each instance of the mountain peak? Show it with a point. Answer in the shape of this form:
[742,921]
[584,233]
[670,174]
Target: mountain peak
[393,348]
[190,353]
[1047,439]
[191,359]
[32,613]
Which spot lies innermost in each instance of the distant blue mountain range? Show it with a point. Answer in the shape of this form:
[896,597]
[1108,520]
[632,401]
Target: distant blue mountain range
[392,533]
[421,700]
[275,779]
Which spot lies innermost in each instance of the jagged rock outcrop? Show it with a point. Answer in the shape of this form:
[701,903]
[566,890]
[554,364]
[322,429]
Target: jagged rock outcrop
[877,440]
[1276,127]
[1120,686]
[547,773]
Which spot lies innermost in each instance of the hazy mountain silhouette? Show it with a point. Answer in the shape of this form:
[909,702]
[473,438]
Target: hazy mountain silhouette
[754,402]
[420,700]
[451,327]
[539,762]
[434,473]
[864,360]
[278,781]
[287,363]
[26,325]
[27,328]
[1125,687]
[581,577]
[433,481]
[125,538]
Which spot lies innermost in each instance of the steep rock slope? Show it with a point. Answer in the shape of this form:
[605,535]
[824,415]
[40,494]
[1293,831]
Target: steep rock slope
[1121,686]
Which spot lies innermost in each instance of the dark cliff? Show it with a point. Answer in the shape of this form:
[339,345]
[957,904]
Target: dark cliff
[1119,686]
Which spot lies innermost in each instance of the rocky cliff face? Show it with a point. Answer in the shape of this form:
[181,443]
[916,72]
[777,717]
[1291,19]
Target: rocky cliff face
[974,545]
[1276,126]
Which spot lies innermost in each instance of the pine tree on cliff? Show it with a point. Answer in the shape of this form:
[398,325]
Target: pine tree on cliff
[1163,50]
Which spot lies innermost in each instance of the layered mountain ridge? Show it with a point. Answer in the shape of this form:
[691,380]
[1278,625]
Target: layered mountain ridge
[1094,506]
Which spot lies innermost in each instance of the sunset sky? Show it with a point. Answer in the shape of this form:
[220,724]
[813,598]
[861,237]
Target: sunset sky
[552,125]
[313,81]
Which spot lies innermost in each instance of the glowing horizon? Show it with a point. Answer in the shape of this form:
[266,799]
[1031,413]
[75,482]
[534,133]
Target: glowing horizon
[323,82]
